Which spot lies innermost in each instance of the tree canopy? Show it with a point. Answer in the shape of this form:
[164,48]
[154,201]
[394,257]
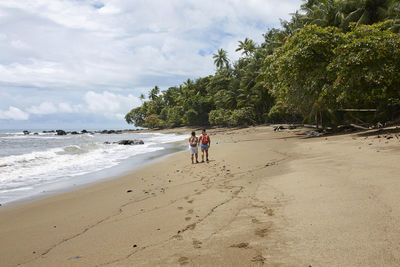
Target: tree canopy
[332,55]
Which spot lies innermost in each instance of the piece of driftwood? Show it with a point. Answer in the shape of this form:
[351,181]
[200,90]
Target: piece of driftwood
[359,126]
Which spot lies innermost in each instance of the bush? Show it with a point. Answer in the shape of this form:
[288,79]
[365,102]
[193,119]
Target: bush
[219,117]
[191,117]
[242,117]
[175,116]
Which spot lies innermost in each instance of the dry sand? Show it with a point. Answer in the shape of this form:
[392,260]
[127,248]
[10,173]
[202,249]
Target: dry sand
[266,198]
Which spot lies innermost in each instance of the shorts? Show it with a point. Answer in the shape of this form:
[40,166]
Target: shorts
[204,147]
[193,150]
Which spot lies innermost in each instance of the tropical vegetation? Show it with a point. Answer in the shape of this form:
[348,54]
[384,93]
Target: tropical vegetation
[329,63]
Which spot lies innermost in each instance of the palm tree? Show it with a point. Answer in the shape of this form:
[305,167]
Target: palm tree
[154,93]
[368,11]
[294,25]
[322,13]
[247,46]
[142,97]
[221,59]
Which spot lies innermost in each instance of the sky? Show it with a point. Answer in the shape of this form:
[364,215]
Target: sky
[82,64]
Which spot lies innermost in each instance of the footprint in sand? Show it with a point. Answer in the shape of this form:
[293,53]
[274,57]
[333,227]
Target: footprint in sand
[180,208]
[190,211]
[191,226]
[269,211]
[259,259]
[190,201]
[262,232]
[183,260]
[178,237]
[197,243]
[188,218]
[187,197]
[241,245]
[255,221]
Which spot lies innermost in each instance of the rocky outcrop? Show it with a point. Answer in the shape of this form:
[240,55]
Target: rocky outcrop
[111,132]
[26,132]
[61,132]
[130,142]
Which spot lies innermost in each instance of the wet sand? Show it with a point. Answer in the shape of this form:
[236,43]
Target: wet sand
[265,198]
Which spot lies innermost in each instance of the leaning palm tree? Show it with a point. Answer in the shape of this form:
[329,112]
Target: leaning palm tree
[221,59]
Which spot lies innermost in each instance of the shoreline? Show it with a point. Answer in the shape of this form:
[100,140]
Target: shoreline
[126,167]
[266,197]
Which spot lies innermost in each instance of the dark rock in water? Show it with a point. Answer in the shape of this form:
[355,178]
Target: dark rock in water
[84,131]
[36,133]
[61,132]
[110,132]
[74,132]
[52,131]
[26,132]
[107,143]
[107,132]
[130,142]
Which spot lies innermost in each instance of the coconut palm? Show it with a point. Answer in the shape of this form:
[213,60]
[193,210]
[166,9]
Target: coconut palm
[154,93]
[247,46]
[221,59]
[322,13]
[368,11]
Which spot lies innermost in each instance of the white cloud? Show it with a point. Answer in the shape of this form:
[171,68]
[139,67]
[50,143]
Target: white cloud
[13,113]
[104,104]
[44,108]
[76,44]
[69,108]
[109,104]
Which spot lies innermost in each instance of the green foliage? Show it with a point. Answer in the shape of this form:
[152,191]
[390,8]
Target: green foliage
[191,117]
[331,55]
[220,117]
[367,67]
[242,117]
[297,72]
[152,121]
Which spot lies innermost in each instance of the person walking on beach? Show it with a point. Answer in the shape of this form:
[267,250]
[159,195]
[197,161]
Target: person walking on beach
[205,143]
[193,142]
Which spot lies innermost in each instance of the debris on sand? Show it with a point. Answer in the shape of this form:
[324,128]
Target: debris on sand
[313,134]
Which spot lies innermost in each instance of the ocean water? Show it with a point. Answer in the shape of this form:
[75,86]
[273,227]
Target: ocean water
[31,165]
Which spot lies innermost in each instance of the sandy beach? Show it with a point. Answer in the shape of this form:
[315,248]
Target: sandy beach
[265,198]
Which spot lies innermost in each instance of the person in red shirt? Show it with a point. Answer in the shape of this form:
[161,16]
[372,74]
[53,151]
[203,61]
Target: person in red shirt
[205,143]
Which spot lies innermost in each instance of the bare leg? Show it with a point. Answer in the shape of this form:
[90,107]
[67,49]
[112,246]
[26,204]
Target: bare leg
[192,158]
[202,155]
[197,156]
[207,154]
